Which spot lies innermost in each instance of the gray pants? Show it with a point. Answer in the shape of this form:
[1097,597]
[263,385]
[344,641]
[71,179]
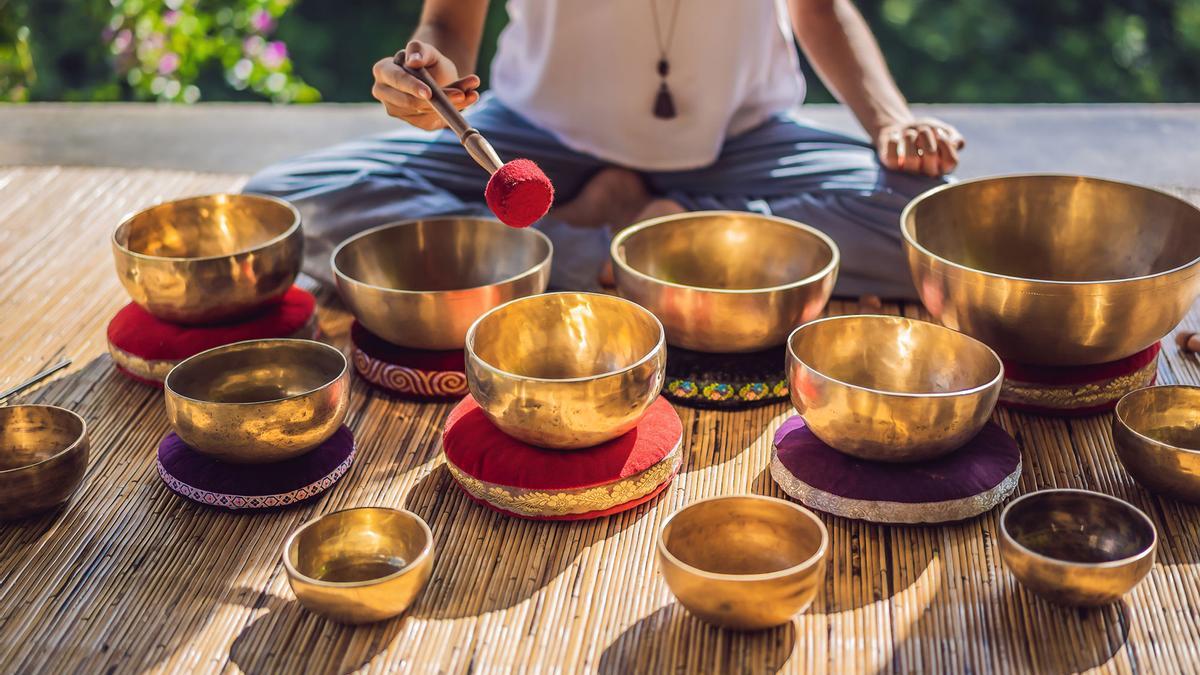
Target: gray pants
[784,167]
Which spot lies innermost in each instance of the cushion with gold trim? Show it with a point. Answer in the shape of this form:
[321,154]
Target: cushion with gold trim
[254,487]
[526,481]
[957,486]
[146,348]
[725,381]
[414,374]
[1074,391]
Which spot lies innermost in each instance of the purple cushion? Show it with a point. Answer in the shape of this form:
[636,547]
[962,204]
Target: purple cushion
[960,485]
[254,486]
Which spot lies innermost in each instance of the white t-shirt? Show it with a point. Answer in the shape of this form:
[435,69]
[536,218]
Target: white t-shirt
[586,71]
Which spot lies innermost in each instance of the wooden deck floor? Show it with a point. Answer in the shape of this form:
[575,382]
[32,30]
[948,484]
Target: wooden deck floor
[129,578]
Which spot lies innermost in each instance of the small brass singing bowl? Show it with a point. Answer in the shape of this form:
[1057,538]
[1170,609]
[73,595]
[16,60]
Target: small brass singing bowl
[259,401]
[724,281]
[422,283]
[1055,270]
[1157,434]
[891,389]
[209,259]
[360,565]
[745,562]
[566,370]
[1076,547]
[43,456]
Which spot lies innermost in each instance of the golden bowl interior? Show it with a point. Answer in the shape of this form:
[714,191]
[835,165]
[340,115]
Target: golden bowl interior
[257,371]
[744,536]
[449,254]
[207,227]
[1056,228]
[564,336]
[358,546]
[31,434]
[1168,416]
[725,251]
[895,355]
[1079,527]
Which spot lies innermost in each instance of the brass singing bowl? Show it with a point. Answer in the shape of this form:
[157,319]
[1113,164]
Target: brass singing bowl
[422,283]
[891,389]
[725,281]
[1055,270]
[359,565]
[209,259]
[43,456]
[1157,434]
[746,562]
[1076,547]
[566,370]
[259,401]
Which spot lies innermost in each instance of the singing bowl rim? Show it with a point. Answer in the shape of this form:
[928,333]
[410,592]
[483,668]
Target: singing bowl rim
[621,237]
[1153,442]
[802,566]
[172,391]
[907,218]
[1138,514]
[531,271]
[660,345]
[426,550]
[283,236]
[80,438]
[990,384]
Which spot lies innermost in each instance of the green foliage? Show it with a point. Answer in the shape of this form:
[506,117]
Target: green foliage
[289,50]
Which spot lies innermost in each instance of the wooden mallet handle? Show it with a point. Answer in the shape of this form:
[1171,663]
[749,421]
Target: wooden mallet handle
[474,142]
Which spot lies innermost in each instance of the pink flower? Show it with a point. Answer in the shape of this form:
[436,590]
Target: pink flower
[275,54]
[262,21]
[170,18]
[122,41]
[168,64]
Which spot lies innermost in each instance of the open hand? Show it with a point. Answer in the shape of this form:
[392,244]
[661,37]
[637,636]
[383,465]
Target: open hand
[926,146]
[407,98]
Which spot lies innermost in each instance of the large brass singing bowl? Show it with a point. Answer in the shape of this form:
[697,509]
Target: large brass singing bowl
[43,456]
[724,281]
[422,283]
[259,401]
[209,259]
[1055,270]
[360,565]
[1076,547]
[1157,434]
[566,370]
[891,389]
[746,562]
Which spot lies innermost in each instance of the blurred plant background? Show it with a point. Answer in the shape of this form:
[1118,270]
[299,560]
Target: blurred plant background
[310,50]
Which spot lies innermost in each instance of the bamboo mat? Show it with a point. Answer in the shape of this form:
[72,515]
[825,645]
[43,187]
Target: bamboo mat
[129,578]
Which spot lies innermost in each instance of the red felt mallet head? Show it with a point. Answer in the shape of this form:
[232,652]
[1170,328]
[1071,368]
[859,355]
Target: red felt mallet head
[519,193]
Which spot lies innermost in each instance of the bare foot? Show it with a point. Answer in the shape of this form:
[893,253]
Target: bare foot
[612,197]
[656,208]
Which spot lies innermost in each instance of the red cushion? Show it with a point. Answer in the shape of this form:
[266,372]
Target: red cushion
[1077,390]
[493,467]
[417,374]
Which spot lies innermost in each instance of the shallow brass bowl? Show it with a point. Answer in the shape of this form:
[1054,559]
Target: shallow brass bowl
[566,370]
[1055,270]
[891,389]
[725,281]
[1157,434]
[745,562]
[422,283]
[259,401]
[209,259]
[1076,547]
[43,456]
[360,565]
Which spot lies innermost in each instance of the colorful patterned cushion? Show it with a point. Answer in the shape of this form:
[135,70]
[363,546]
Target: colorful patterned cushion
[254,487]
[415,374]
[961,485]
[725,381]
[522,480]
[1074,391]
[146,348]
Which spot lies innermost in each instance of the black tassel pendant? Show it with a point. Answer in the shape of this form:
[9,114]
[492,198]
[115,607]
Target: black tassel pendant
[664,105]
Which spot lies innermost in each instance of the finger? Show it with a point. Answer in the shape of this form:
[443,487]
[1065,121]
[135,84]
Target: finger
[419,54]
[928,146]
[468,83]
[400,100]
[948,155]
[387,72]
[469,100]
[889,151]
[910,159]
